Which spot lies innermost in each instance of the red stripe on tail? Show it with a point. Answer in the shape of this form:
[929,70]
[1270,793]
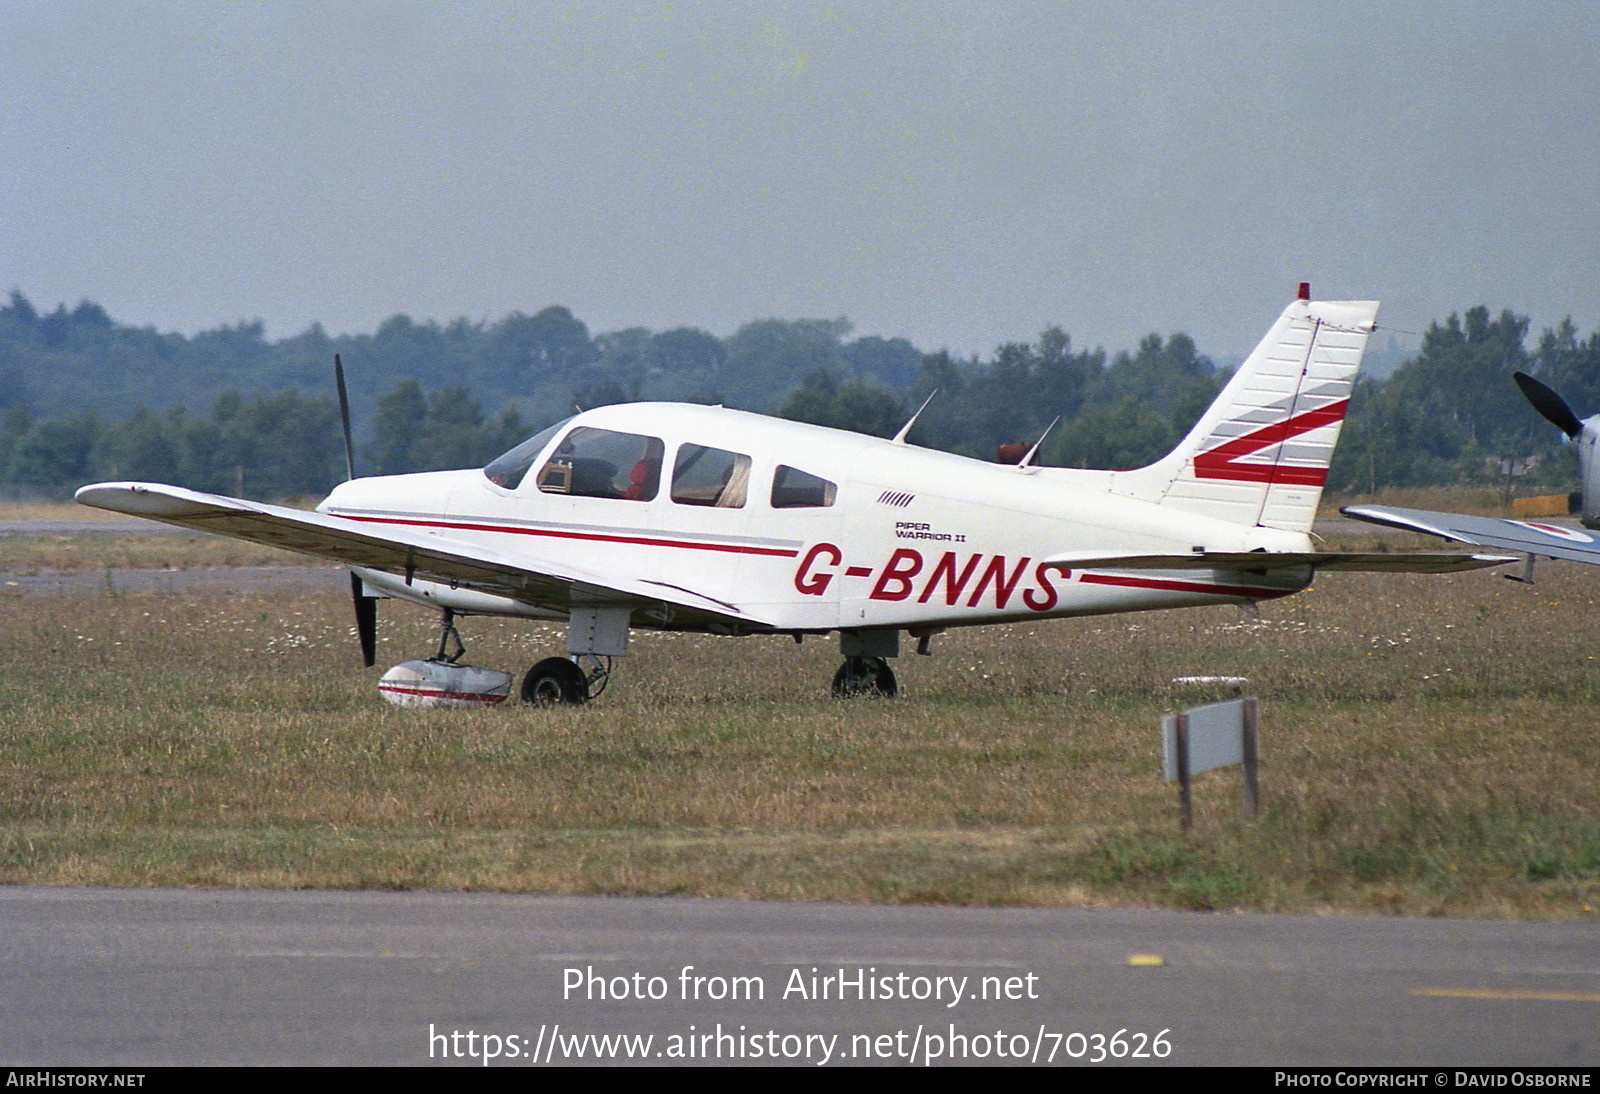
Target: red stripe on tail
[1222,462]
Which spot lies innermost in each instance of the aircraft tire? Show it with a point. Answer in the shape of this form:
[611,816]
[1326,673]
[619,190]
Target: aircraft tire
[555,681]
[864,677]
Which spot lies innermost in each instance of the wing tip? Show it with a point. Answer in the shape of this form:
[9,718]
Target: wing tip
[101,495]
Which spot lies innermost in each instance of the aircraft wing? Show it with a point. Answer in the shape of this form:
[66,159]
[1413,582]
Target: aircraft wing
[527,579]
[1529,537]
[1417,562]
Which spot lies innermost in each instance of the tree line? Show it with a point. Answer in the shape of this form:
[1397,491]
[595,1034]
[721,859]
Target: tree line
[84,398]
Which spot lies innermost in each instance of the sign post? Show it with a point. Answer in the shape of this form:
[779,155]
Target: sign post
[1247,800]
[1206,737]
[1180,735]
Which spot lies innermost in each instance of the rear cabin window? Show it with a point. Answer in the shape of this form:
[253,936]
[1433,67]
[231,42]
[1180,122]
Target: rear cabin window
[710,476]
[600,463]
[796,489]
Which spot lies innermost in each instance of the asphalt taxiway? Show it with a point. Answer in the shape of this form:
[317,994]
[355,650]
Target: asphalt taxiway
[130,977]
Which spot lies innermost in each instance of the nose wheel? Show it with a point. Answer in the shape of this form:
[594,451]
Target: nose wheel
[864,678]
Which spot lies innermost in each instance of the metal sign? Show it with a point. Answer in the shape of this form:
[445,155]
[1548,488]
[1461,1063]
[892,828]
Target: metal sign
[1207,737]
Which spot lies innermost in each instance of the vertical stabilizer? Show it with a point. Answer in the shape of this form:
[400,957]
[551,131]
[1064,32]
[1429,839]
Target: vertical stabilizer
[1260,454]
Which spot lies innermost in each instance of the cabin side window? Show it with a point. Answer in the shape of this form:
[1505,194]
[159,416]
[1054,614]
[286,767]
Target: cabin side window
[510,469]
[601,463]
[702,475]
[796,489]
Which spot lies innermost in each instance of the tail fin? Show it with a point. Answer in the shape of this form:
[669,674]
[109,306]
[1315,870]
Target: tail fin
[1260,454]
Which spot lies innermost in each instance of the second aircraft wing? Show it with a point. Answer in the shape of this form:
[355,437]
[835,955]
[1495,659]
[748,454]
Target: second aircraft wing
[1527,537]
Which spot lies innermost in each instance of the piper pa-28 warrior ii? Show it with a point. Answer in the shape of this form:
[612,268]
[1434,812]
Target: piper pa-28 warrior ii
[697,518]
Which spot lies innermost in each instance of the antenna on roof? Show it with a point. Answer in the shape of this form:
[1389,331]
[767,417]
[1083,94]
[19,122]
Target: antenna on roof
[1026,460]
[900,437]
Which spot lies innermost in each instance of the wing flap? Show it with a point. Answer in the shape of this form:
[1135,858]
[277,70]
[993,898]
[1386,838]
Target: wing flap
[530,580]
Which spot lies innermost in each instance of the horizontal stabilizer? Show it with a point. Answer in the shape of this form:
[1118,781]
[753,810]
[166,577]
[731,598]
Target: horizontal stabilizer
[1529,537]
[536,582]
[1421,562]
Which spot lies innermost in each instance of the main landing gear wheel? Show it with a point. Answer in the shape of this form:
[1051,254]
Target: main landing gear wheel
[864,677]
[553,681]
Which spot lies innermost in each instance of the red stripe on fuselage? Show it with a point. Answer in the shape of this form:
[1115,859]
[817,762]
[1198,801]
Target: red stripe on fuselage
[593,537]
[1222,462]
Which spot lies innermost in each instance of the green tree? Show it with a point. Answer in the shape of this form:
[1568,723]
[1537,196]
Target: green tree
[524,347]
[892,362]
[686,349]
[1453,409]
[1117,435]
[143,449]
[857,405]
[624,361]
[684,364]
[771,357]
[56,455]
[14,424]
[287,445]
[1571,367]
[396,430]
[452,434]
[599,391]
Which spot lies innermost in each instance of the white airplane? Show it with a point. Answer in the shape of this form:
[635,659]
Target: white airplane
[1533,538]
[697,518]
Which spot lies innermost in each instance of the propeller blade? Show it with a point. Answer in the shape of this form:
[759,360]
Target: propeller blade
[1548,403]
[344,418]
[366,606]
[366,622]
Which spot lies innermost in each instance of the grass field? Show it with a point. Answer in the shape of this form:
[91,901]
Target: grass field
[1429,747]
[64,549]
[75,552]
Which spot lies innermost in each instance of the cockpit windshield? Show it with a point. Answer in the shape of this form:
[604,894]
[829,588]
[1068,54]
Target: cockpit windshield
[510,469]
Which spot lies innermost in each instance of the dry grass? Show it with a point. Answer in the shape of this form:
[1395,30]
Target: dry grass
[57,510]
[56,552]
[144,546]
[1429,747]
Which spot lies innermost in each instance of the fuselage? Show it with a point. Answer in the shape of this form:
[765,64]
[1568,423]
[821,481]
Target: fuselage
[1587,446]
[802,528]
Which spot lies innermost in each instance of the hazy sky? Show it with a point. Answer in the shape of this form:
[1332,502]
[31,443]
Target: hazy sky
[959,174]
